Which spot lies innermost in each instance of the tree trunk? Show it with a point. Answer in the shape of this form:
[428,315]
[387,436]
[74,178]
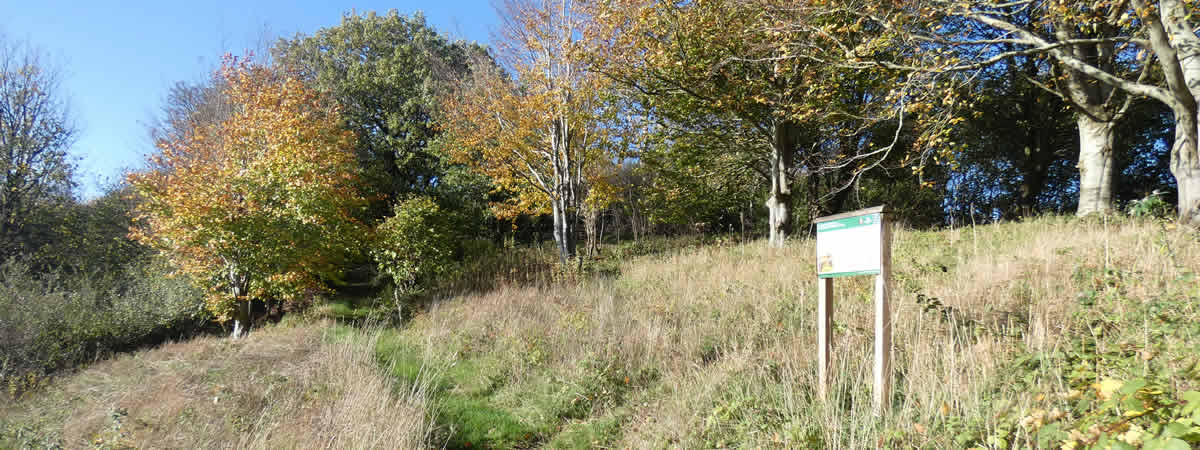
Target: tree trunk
[560,231]
[564,224]
[1033,180]
[779,204]
[238,284]
[1177,47]
[1185,166]
[1095,166]
[591,228]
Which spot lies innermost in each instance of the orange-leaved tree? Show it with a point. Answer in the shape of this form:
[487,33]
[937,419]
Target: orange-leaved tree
[260,205]
[536,129]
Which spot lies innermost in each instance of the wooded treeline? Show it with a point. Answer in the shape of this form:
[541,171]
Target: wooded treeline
[380,146]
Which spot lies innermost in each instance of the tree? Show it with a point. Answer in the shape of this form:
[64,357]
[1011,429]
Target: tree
[748,74]
[534,133]
[36,133]
[86,238]
[1021,143]
[387,72]
[259,206]
[1155,35]
[191,108]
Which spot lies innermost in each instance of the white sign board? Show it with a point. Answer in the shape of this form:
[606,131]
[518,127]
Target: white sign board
[849,245]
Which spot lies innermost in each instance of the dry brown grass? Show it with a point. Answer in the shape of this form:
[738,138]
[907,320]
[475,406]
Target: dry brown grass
[707,347]
[730,331]
[282,387]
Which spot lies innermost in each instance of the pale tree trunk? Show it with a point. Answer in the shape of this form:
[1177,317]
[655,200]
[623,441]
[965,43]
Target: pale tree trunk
[1178,50]
[564,227]
[1185,166]
[779,204]
[238,284]
[566,185]
[1095,166]
[1096,113]
[591,228]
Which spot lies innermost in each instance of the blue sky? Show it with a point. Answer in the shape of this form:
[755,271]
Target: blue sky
[117,58]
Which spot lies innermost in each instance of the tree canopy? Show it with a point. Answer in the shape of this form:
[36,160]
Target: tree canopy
[262,205]
[387,73]
[36,132]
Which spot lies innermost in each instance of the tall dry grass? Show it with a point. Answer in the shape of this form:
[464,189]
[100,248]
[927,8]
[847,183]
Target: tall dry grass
[282,387]
[705,347]
[728,333]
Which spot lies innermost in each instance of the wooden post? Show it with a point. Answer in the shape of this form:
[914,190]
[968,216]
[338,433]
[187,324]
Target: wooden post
[824,333]
[883,322]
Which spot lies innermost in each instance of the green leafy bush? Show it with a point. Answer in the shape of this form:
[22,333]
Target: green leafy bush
[1151,205]
[415,246]
[1127,376]
[52,321]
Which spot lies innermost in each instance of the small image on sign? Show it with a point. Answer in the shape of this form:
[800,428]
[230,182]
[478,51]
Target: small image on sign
[825,263]
[849,246]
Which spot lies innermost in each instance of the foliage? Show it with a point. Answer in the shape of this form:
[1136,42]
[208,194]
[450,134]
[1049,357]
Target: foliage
[1021,146]
[536,131]
[769,90]
[1152,205]
[35,134]
[87,237]
[54,321]
[415,246]
[1127,376]
[260,206]
[387,72]
[1143,152]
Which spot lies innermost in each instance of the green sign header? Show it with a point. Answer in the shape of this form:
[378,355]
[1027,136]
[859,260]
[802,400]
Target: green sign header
[848,222]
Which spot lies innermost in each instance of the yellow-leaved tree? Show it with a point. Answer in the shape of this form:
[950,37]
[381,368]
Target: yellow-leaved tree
[260,205]
[535,129]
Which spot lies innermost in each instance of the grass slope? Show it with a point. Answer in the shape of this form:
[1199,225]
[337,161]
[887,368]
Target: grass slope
[1049,333]
[1015,334]
[282,387]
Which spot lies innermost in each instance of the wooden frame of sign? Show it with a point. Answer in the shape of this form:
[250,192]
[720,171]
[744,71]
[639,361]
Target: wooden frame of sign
[852,244]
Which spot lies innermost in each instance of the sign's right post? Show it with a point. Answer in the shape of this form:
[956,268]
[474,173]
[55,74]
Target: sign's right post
[883,320]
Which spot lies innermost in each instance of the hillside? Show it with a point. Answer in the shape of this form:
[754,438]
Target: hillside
[1052,332]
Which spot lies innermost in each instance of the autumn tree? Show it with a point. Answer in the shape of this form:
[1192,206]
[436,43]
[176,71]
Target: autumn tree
[259,206]
[1090,33]
[36,133]
[1162,29]
[529,122]
[1109,50]
[741,73]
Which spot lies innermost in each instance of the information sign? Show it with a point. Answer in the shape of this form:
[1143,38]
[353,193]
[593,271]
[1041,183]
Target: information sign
[849,246]
[855,243]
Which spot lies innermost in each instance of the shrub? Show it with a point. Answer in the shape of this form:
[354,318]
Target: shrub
[52,321]
[415,246]
[1152,205]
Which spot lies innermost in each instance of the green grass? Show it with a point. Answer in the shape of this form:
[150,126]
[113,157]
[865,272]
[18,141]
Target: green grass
[479,405]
